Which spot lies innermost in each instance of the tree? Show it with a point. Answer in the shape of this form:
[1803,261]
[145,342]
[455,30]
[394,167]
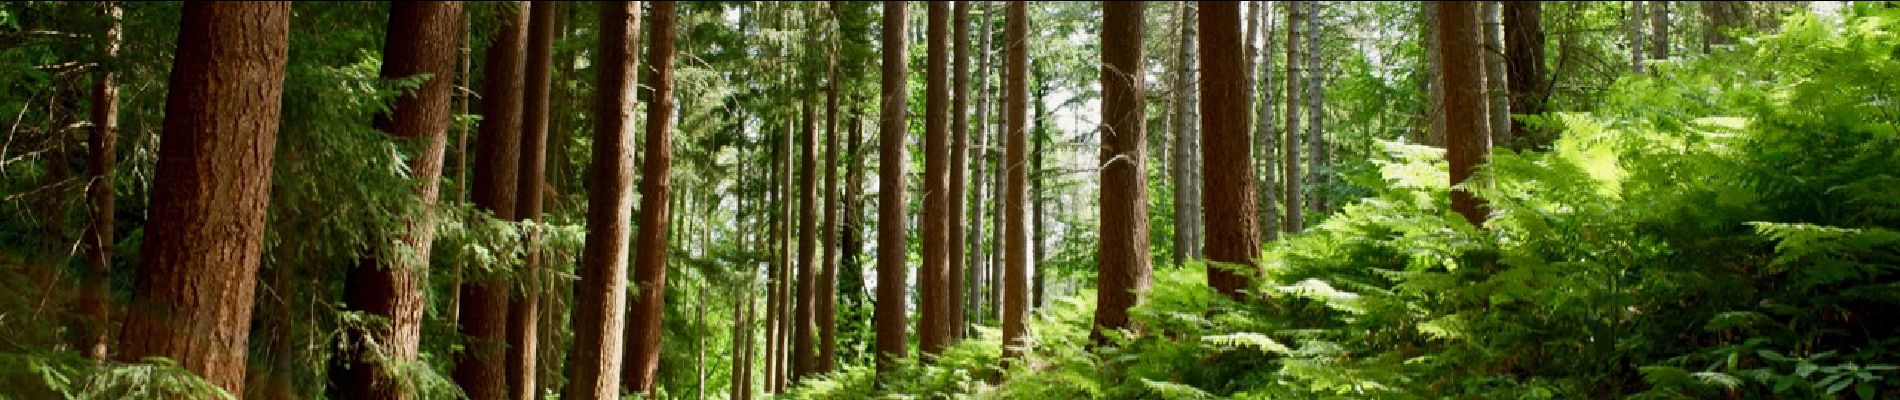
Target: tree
[1265,137]
[649,276]
[1016,196]
[1524,61]
[980,269]
[1467,139]
[1290,146]
[1187,185]
[1315,110]
[479,370]
[933,327]
[421,40]
[1721,17]
[959,153]
[828,267]
[524,310]
[1499,96]
[198,262]
[802,318]
[1658,30]
[601,293]
[890,197]
[1633,33]
[94,334]
[1233,235]
[1122,258]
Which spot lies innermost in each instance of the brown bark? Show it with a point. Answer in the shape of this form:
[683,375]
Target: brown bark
[933,326]
[525,307]
[95,333]
[649,276]
[480,369]
[978,266]
[422,39]
[1233,234]
[1525,70]
[787,266]
[198,264]
[1290,197]
[601,297]
[1466,133]
[1266,138]
[828,266]
[1722,18]
[1123,261]
[1658,30]
[774,278]
[890,197]
[1016,195]
[803,351]
[959,162]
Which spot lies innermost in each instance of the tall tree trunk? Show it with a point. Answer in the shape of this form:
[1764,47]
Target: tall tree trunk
[1040,132]
[828,273]
[1435,84]
[649,276]
[787,254]
[773,277]
[738,343]
[1496,91]
[1524,58]
[421,40]
[1467,142]
[1016,196]
[959,162]
[198,263]
[978,266]
[1658,30]
[803,349]
[95,333]
[1722,17]
[856,301]
[480,369]
[1290,146]
[1122,257]
[890,197]
[933,327]
[1187,206]
[1315,112]
[1265,138]
[1633,34]
[1233,234]
[524,309]
[601,293]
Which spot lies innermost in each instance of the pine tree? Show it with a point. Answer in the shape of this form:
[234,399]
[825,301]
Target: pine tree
[480,369]
[933,326]
[1122,258]
[1015,196]
[1525,70]
[94,333]
[1466,122]
[959,153]
[890,198]
[1233,236]
[601,293]
[649,273]
[524,307]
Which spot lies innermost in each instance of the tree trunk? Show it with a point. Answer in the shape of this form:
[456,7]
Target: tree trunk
[1722,17]
[1233,234]
[524,309]
[851,278]
[1187,205]
[828,266]
[1265,137]
[1494,70]
[978,265]
[94,330]
[1290,147]
[803,349]
[1315,112]
[1658,30]
[1435,84]
[1633,32]
[421,39]
[773,277]
[933,328]
[649,276]
[787,260]
[601,295]
[1016,196]
[1037,197]
[959,162]
[1524,52]
[198,263]
[890,197]
[1467,141]
[1122,258]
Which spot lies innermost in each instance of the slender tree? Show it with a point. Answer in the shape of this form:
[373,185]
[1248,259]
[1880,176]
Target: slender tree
[1187,186]
[1524,59]
[649,276]
[933,327]
[1122,257]
[1658,30]
[959,153]
[198,263]
[1290,196]
[828,266]
[1015,197]
[803,353]
[1435,84]
[1315,110]
[94,333]
[479,370]
[1233,236]
[978,265]
[1265,138]
[890,196]
[774,277]
[524,308]
[601,293]
[421,40]
[1633,34]
[1466,130]
[1495,90]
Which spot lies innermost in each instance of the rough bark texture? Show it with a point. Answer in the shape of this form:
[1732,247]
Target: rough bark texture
[890,197]
[1524,59]
[649,271]
[1233,235]
[1039,133]
[1290,146]
[1633,34]
[1265,137]
[94,330]
[1658,30]
[851,278]
[959,162]
[1496,93]
[1016,195]
[1315,112]
[479,370]
[1466,131]
[1435,85]
[773,277]
[1122,257]
[1187,188]
[828,266]
[786,260]
[803,353]
[601,293]
[421,39]
[525,307]
[933,327]
[1722,18]
[978,266]
[198,264]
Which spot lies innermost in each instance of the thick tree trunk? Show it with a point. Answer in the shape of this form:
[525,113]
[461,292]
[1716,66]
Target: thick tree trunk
[1233,236]
[1016,196]
[1495,91]
[1467,142]
[601,293]
[198,264]
[978,260]
[1524,58]
[421,39]
[524,309]
[828,266]
[649,276]
[1187,203]
[933,327]
[1722,18]
[1290,197]
[1122,257]
[959,162]
[94,330]
[480,369]
[1658,30]
[890,197]
[803,349]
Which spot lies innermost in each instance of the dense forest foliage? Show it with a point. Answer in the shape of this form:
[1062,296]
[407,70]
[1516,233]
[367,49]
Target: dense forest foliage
[968,199]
